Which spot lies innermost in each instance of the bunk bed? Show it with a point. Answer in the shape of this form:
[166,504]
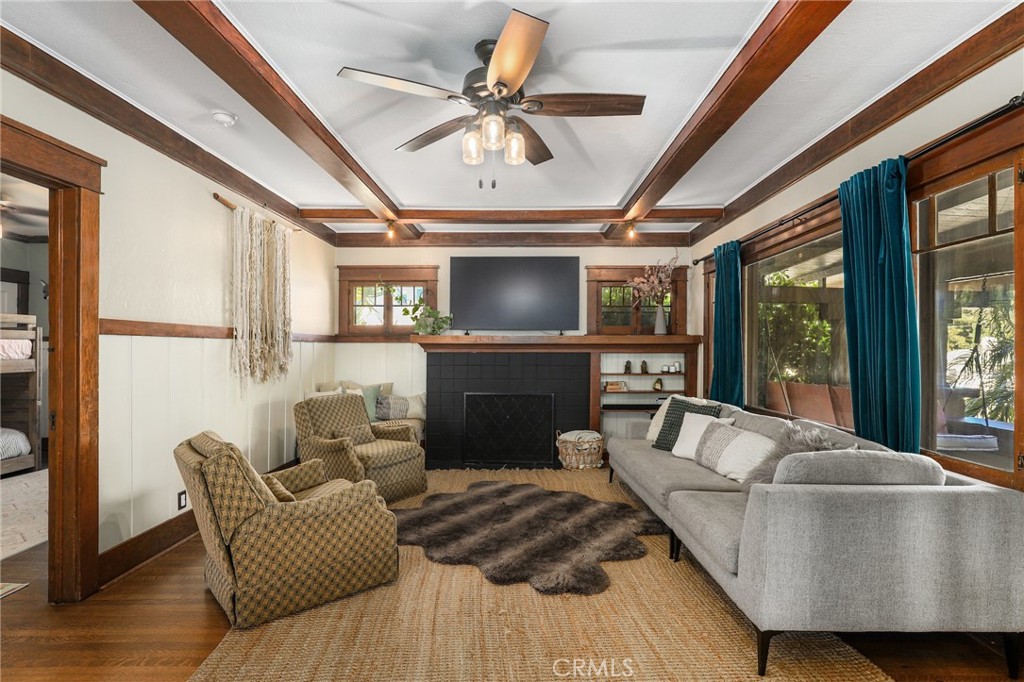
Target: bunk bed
[21,349]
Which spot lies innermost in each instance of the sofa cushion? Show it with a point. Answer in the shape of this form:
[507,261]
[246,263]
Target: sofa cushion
[659,417]
[845,439]
[677,409]
[859,467]
[660,473]
[690,433]
[769,427]
[732,452]
[795,439]
[331,486]
[715,520]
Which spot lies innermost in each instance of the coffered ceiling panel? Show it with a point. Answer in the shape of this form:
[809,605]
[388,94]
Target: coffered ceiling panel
[870,48]
[359,228]
[116,44]
[670,51]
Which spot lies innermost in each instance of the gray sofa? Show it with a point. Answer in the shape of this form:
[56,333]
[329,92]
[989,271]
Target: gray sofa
[845,541]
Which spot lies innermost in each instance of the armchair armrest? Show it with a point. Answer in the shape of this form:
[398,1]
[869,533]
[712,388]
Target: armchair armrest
[402,432]
[302,476]
[340,531]
[883,557]
[338,455]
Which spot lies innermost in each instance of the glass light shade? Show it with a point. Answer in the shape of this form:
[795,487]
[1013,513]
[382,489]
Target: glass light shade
[472,148]
[492,129]
[515,148]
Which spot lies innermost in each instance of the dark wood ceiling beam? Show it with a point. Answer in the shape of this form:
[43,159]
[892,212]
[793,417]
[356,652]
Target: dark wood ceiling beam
[789,28]
[204,30]
[404,230]
[551,239]
[618,230]
[28,62]
[526,216]
[993,43]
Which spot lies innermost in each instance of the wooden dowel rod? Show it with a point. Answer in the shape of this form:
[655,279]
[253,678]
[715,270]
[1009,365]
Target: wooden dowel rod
[224,201]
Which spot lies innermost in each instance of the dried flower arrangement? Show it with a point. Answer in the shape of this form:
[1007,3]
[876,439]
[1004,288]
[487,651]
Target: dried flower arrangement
[655,283]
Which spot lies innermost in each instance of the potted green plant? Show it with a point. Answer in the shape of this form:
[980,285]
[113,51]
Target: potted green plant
[426,320]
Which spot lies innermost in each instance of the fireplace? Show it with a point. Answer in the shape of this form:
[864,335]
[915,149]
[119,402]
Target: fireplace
[508,429]
[503,393]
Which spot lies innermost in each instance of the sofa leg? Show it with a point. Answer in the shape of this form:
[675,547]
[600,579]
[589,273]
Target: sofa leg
[763,639]
[1012,643]
[611,473]
[673,542]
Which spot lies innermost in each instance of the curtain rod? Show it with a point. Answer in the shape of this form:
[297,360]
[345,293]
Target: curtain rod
[1016,102]
[230,204]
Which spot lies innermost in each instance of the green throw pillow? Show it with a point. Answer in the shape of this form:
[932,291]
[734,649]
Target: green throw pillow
[677,409]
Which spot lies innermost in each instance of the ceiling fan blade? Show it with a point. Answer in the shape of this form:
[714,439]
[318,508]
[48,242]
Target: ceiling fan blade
[436,133]
[25,210]
[536,151]
[584,104]
[402,85]
[515,52]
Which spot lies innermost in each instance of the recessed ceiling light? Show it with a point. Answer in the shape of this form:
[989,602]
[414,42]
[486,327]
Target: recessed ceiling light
[225,118]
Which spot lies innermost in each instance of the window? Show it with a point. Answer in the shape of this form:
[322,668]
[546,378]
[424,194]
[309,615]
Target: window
[610,308]
[796,333]
[967,284]
[373,299]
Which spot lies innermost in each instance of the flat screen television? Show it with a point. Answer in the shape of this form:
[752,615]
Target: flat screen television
[515,293]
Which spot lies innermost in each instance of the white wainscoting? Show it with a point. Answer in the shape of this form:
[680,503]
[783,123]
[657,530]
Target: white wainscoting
[156,391]
[404,364]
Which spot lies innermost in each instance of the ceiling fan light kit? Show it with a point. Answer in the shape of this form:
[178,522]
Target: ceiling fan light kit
[496,87]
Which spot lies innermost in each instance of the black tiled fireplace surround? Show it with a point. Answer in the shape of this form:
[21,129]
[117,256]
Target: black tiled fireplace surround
[450,375]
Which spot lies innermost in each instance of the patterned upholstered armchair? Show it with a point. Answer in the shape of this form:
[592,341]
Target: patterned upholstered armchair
[286,541]
[336,429]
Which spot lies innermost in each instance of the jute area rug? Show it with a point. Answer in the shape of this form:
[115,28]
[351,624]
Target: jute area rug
[658,622]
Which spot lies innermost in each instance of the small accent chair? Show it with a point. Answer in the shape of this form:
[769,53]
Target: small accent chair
[336,429]
[286,541]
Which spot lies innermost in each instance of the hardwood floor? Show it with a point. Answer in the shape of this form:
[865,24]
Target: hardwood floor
[160,623]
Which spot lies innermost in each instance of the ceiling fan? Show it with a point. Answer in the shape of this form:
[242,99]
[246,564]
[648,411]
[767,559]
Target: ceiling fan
[495,89]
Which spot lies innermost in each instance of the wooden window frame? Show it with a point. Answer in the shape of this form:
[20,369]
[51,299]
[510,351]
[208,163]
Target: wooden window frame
[990,148]
[599,276]
[350,276]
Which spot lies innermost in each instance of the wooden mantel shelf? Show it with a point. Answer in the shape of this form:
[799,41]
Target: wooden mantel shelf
[563,344]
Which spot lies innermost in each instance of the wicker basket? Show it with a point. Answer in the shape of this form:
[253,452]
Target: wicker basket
[580,449]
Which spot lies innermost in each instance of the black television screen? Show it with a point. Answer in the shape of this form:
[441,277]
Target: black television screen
[515,293]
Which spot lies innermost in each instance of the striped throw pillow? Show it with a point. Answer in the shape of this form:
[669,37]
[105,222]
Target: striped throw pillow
[677,410]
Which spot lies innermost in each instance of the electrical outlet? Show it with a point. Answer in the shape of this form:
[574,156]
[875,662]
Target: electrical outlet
[181,500]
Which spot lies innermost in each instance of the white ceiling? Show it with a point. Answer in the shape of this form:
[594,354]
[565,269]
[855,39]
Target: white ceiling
[867,50]
[670,51]
[514,227]
[22,195]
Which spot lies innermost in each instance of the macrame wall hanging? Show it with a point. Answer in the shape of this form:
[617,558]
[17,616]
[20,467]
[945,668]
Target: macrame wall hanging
[261,309]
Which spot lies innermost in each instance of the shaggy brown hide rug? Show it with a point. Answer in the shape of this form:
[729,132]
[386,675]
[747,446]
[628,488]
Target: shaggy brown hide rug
[516,533]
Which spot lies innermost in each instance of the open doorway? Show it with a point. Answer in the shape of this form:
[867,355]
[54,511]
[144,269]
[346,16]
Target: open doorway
[24,338]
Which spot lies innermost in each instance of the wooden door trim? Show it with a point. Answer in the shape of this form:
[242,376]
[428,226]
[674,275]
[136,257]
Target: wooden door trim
[73,177]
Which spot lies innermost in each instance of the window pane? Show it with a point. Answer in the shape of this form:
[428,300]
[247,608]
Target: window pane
[968,405]
[962,212]
[797,333]
[616,307]
[404,298]
[368,307]
[1004,199]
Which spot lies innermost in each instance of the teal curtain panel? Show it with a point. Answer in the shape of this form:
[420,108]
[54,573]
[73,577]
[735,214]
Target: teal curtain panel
[881,312]
[727,370]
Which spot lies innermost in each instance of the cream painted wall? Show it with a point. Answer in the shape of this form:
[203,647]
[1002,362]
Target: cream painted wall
[165,257]
[971,99]
[405,363]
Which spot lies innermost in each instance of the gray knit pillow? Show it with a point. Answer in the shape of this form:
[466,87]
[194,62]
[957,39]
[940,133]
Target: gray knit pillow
[794,439]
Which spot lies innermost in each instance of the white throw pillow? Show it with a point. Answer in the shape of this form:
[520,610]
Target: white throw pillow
[691,431]
[318,394]
[732,452]
[658,420]
[417,406]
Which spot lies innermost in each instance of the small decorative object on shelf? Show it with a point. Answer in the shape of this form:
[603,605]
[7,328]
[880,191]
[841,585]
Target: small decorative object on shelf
[580,449]
[643,367]
[616,387]
[654,286]
[678,367]
[664,369]
[658,385]
[629,367]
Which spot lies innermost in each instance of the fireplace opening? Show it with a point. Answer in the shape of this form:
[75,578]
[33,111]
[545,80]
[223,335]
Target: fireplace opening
[509,429]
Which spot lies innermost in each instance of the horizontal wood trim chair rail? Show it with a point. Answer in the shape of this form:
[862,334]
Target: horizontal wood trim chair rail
[52,76]
[112,327]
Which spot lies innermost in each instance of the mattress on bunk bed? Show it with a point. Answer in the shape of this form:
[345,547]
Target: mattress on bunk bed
[13,444]
[15,349]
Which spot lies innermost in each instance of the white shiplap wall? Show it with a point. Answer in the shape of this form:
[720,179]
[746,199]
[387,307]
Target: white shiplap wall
[405,364]
[157,391]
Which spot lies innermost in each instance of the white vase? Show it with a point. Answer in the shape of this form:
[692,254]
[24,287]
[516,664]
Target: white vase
[660,328]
